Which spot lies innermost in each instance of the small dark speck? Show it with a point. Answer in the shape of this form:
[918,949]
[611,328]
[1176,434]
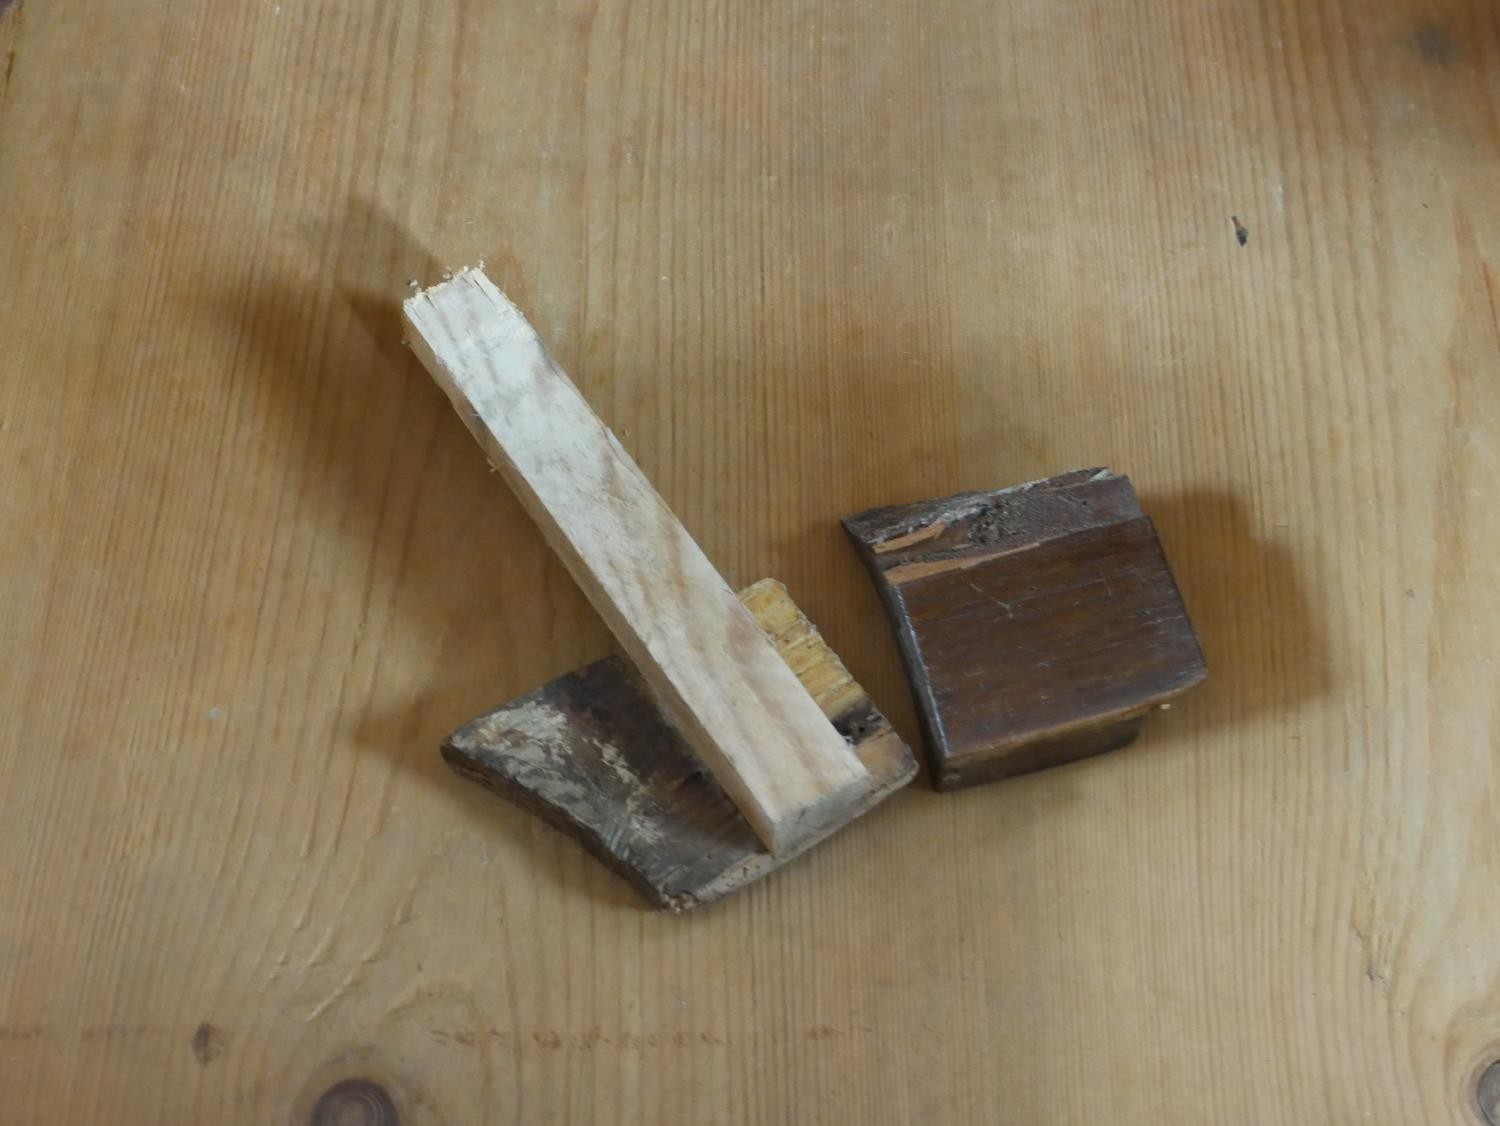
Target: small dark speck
[1241,232]
[1434,44]
[7,5]
[208,1043]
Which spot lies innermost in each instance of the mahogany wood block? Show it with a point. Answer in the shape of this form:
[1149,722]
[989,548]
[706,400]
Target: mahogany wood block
[593,754]
[1038,624]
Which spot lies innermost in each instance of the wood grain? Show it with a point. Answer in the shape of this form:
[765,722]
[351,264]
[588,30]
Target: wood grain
[804,258]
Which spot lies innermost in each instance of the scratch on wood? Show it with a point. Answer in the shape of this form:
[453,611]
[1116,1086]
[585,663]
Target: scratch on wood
[351,979]
[323,952]
[1489,289]
[9,29]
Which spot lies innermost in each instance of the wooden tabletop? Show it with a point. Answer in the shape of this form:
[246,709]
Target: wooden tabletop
[805,258]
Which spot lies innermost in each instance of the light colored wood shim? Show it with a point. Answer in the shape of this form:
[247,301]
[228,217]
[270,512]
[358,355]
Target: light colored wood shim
[716,675]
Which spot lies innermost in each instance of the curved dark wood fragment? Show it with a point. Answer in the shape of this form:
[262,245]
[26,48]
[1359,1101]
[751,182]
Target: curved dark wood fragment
[592,754]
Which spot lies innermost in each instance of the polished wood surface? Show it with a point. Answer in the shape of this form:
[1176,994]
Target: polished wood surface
[805,258]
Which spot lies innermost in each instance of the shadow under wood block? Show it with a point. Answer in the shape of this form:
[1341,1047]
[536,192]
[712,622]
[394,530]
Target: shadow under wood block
[592,754]
[1038,624]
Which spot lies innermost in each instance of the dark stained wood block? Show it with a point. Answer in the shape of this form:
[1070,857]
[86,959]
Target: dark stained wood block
[1038,624]
[592,754]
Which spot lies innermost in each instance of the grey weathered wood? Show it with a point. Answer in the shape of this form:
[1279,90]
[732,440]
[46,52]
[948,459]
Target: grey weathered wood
[593,754]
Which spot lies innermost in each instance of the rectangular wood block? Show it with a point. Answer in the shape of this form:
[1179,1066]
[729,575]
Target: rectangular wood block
[1038,624]
[712,670]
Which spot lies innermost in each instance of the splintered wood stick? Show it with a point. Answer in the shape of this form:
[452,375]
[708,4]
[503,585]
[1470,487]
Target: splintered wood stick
[713,670]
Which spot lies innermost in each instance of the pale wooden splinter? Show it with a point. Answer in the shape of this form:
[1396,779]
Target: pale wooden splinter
[714,672]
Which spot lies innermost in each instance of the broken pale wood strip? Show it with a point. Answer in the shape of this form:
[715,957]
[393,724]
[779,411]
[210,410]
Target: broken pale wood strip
[591,753]
[717,677]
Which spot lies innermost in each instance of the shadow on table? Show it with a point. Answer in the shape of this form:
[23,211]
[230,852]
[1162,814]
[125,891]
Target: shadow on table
[454,574]
[1259,632]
